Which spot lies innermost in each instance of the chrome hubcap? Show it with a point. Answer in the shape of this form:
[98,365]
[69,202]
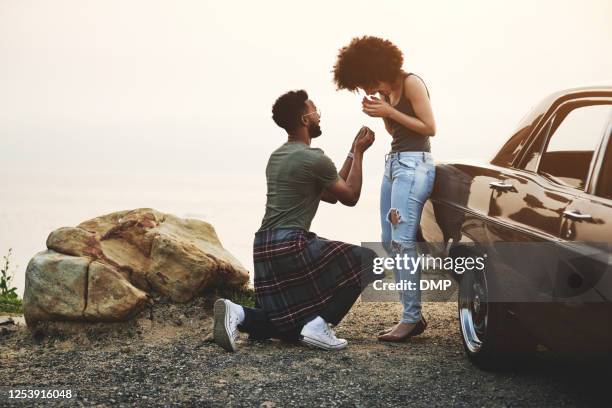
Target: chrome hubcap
[473,310]
[476,304]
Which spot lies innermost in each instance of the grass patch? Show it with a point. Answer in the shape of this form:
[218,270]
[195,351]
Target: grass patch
[11,304]
[244,297]
[9,301]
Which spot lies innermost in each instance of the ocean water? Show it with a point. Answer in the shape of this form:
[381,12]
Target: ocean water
[34,204]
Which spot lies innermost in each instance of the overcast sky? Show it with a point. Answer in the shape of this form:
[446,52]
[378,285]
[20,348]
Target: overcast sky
[188,82]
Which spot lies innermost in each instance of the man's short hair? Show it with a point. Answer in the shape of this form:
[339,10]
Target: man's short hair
[288,109]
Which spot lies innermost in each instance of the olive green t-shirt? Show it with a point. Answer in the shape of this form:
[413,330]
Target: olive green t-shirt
[296,174]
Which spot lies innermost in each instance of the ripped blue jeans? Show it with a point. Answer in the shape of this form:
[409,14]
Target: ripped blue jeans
[406,186]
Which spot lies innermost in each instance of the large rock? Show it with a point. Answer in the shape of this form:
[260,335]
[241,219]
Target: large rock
[104,268]
[110,296]
[56,286]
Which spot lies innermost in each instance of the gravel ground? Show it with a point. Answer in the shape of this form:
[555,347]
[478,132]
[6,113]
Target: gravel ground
[165,360]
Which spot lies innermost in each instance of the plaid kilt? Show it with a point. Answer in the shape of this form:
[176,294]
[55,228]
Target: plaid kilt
[297,273]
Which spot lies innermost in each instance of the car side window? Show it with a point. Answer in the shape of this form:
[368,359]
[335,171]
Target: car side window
[604,181]
[574,137]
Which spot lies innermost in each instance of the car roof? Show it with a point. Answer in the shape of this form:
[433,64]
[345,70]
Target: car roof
[593,87]
[556,98]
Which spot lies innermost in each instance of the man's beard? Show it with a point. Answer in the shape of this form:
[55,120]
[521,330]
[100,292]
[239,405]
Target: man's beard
[314,130]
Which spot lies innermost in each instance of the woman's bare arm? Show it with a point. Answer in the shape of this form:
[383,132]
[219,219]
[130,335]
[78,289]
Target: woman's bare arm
[423,123]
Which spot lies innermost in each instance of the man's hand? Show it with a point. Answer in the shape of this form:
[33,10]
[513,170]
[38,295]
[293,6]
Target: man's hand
[363,140]
[348,186]
[360,132]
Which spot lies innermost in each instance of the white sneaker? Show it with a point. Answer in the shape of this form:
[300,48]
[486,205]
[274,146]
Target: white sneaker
[227,316]
[317,333]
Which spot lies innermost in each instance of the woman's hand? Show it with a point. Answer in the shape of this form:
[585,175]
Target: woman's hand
[376,108]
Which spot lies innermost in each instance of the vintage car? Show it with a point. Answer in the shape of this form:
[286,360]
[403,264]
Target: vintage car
[541,213]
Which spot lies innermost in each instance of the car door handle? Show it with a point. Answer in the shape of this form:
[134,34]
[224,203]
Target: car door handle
[575,215]
[501,185]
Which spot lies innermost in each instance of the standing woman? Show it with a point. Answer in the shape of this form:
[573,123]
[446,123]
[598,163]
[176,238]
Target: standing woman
[375,66]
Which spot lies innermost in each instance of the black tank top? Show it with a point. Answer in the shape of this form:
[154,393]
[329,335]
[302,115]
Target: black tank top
[404,139]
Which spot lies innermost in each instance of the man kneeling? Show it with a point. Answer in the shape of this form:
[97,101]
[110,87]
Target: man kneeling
[303,283]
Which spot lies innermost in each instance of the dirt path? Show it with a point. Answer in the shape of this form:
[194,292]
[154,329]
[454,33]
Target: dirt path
[166,361]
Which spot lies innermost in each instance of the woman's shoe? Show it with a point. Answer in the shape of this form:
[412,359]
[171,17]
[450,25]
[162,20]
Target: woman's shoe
[419,328]
[380,333]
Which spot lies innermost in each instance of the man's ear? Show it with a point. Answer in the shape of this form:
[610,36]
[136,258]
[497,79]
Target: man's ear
[304,121]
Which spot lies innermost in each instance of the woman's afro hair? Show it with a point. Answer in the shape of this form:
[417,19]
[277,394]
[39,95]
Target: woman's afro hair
[365,62]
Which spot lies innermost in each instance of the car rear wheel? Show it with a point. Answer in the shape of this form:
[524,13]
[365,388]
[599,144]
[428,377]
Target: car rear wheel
[491,337]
